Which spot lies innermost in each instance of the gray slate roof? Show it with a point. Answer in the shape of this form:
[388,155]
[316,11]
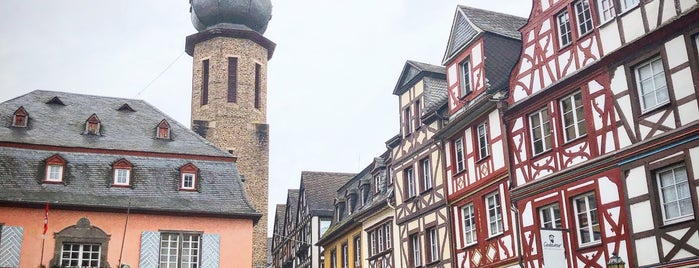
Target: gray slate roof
[321,188]
[413,69]
[279,221]
[292,200]
[87,177]
[469,22]
[435,94]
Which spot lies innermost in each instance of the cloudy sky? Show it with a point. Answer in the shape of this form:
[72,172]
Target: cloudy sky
[330,105]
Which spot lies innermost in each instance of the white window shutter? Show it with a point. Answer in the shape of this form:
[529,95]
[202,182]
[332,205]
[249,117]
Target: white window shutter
[210,250]
[11,246]
[150,249]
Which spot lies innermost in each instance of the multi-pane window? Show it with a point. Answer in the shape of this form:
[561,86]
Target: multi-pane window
[540,128]
[426,173]
[494,214]
[379,236]
[387,234]
[465,67]
[550,216]
[459,153]
[345,256]
[483,140]
[573,116]
[564,34]
[188,180]
[357,252]
[415,255]
[432,245]
[379,239]
[54,173]
[378,183]
[469,224]
[372,244]
[333,259]
[80,255]
[651,84]
[408,120]
[410,183]
[179,250]
[583,16]
[628,4]
[121,176]
[675,197]
[586,219]
[606,9]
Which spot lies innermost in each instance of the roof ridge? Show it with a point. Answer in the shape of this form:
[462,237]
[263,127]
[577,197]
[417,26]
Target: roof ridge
[490,11]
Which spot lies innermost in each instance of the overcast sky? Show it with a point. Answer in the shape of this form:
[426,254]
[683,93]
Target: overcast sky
[330,80]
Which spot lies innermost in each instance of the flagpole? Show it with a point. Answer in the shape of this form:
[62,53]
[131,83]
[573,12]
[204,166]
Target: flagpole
[43,235]
[128,210]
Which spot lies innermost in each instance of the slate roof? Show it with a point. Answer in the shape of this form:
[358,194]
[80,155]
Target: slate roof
[469,22]
[88,175]
[292,200]
[436,94]
[321,188]
[279,221]
[414,70]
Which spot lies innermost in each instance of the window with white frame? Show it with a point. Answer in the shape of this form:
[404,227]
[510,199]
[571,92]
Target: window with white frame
[80,255]
[378,183]
[540,128]
[379,239]
[433,245]
[387,233]
[409,183]
[121,176]
[465,86]
[426,173]
[573,116]
[565,36]
[494,214]
[583,16]
[54,173]
[345,256]
[651,84]
[408,121]
[586,219]
[357,251]
[469,224]
[483,140]
[628,4]
[550,216]
[459,153]
[675,197]
[179,250]
[333,259]
[188,180]
[606,9]
[415,254]
[372,244]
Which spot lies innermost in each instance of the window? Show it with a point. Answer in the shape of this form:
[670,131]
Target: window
[121,176]
[675,197]
[163,130]
[188,180]
[372,243]
[564,34]
[606,9]
[345,256]
[409,183]
[19,118]
[92,125]
[540,128]
[483,140]
[54,169]
[469,224]
[417,114]
[258,87]
[232,79]
[584,16]
[378,183]
[426,173]
[459,152]
[433,245]
[588,229]
[80,255]
[379,236]
[179,250]
[465,67]
[333,259]
[550,216]
[408,121]
[188,177]
[628,4]
[205,82]
[651,85]
[387,233]
[573,116]
[415,255]
[494,214]
[357,252]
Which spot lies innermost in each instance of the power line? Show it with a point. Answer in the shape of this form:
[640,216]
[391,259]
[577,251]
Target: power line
[160,74]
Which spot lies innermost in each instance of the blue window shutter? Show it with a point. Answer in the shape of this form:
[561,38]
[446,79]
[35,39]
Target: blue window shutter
[11,245]
[150,249]
[210,250]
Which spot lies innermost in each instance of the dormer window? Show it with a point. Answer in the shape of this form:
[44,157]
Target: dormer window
[340,209]
[92,125]
[125,108]
[19,119]
[122,173]
[163,130]
[55,166]
[55,101]
[188,177]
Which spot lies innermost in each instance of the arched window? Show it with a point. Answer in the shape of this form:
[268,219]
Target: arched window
[81,245]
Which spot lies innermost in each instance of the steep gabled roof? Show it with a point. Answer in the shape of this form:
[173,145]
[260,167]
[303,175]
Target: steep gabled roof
[435,94]
[413,71]
[470,22]
[279,221]
[320,189]
[292,200]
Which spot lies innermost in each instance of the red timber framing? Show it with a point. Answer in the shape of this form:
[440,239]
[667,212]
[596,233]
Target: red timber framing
[473,54]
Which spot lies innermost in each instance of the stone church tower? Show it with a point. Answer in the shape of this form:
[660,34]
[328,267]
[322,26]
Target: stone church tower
[229,92]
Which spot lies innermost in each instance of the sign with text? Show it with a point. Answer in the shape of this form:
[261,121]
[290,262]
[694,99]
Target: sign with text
[552,248]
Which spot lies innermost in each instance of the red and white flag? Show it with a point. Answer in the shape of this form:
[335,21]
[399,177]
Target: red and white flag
[46,221]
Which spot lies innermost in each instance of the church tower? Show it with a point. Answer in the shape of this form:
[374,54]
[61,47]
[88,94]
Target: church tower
[229,92]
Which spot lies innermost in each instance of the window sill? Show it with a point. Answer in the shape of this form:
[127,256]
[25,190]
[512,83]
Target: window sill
[678,221]
[580,37]
[426,190]
[656,108]
[432,263]
[187,190]
[121,186]
[410,199]
[576,139]
[52,182]
[483,159]
[494,236]
[589,246]
[458,173]
[536,157]
[469,245]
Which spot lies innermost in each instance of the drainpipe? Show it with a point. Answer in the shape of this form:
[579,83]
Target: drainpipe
[513,208]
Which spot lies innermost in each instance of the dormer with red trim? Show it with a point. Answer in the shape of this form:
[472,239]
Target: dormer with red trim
[122,173]
[55,167]
[20,117]
[189,174]
[93,125]
[162,131]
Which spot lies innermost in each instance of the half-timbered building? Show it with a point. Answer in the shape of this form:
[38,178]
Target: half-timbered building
[278,238]
[417,168]
[285,252]
[482,49]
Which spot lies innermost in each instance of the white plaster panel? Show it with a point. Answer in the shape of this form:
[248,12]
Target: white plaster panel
[641,219]
[542,162]
[689,112]
[652,14]
[632,25]
[546,44]
[594,86]
[526,62]
[471,170]
[682,82]
[518,93]
[450,183]
[609,146]
[520,177]
[668,11]
[498,157]
[694,240]
[694,155]
[669,122]
[687,4]
[580,147]
[597,117]
[678,233]
[544,5]
[647,251]
[451,72]
[494,123]
[527,215]
[644,131]
[536,84]
[624,139]
[666,245]
[528,36]
[594,48]
[609,36]
[618,82]
[551,67]
[683,254]
[468,145]
[563,59]
[676,51]
[625,104]
[614,213]
[608,190]
[476,55]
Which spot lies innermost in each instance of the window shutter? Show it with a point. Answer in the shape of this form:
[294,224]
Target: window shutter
[11,245]
[150,249]
[210,250]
